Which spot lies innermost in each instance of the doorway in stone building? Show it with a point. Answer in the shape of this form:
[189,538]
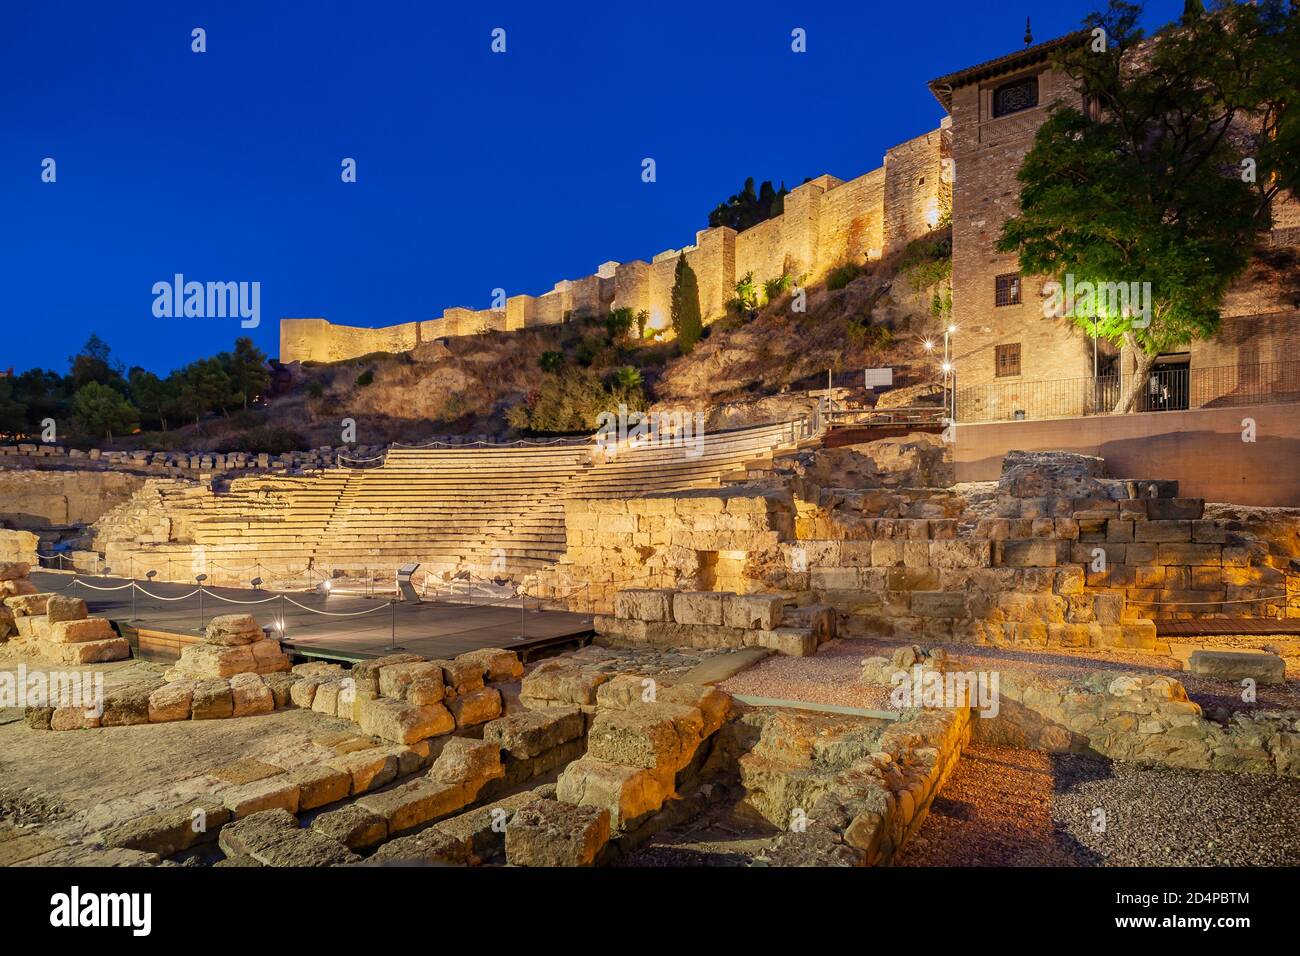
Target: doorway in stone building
[1169,384]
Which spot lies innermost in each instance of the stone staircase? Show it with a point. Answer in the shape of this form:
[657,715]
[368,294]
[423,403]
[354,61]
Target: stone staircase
[496,511]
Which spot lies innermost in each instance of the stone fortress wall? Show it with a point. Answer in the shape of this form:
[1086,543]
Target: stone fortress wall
[827,222]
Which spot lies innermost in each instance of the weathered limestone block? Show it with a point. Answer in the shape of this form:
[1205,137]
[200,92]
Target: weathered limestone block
[354,826]
[27,605]
[1031,553]
[529,733]
[171,831]
[367,769]
[555,833]
[319,785]
[232,630]
[88,652]
[790,641]
[250,695]
[127,705]
[557,682]
[61,607]
[269,658]
[415,803]
[463,676]
[326,699]
[404,723]
[644,604]
[74,717]
[281,686]
[939,604]
[496,665]
[171,702]
[475,707]
[211,700]
[215,660]
[14,570]
[396,679]
[1238,665]
[302,693]
[753,611]
[650,736]
[699,607]
[273,838]
[626,794]
[483,828]
[432,847]
[81,630]
[271,793]
[469,762]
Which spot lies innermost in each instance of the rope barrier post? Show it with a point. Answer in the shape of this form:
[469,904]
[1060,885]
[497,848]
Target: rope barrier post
[133,614]
[284,621]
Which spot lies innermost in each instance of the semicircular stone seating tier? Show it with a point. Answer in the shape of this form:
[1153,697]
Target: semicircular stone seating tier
[495,510]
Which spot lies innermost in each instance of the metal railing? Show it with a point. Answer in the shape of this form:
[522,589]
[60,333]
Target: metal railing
[1166,389]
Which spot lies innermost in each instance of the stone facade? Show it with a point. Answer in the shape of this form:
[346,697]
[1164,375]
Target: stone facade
[1259,318]
[826,222]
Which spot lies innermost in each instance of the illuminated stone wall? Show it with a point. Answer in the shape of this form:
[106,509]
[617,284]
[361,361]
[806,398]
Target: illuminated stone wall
[827,222]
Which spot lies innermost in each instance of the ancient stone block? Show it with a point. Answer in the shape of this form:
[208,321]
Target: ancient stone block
[250,695]
[354,826]
[475,707]
[496,664]
[658,735]
[467,761]
[232,630]
[644,604]
[215,660]
[404,723]
[555,833]
[1238,665]
[396,679]
[1031,553]
[273,793]
[1162,531]
[61,607]
[528,733]
[211,700]
[1175,509]
[698,607]
[416,802]
[367,769]
[319,785]
[940,604]
[127,705]
[1192,554]
[556,681]
[752,611]
[81,630]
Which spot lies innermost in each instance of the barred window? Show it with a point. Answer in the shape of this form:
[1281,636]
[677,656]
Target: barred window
[1006,360]
[1014,97]
[1008,289]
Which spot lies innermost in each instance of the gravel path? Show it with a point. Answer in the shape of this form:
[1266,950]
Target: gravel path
[1004,806]
[832,676]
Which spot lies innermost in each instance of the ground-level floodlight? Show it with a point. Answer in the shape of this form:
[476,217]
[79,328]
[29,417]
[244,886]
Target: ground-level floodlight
[200,578]
[324,587]
[404,586]
[256,582]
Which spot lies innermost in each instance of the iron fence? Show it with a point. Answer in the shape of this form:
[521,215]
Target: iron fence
[1166,388]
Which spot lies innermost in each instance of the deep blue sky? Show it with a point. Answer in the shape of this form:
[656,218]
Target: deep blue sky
[475,170]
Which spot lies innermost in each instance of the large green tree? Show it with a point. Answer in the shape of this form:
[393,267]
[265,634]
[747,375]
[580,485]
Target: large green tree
[1167,173]
[100,410]
[247,368]
[685,306]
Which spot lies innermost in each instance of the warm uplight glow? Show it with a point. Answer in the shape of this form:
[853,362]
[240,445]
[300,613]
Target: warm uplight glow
[929,346]
[952,329]
[947,367]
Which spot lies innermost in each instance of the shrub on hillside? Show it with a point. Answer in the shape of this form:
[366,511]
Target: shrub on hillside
[272,439]
[573,400]
[841,276]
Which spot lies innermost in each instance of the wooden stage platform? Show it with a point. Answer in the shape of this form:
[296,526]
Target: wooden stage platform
[353,627]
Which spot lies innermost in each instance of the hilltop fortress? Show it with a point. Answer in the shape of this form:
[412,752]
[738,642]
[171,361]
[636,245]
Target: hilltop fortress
[826,222]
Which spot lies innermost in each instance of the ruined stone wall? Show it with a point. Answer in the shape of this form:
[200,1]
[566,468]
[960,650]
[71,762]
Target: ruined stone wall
[42,499]
[826,222]
[714,540]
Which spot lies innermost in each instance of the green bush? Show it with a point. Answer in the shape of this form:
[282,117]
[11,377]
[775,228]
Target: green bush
[315,389]
[365,378]
[841,276]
